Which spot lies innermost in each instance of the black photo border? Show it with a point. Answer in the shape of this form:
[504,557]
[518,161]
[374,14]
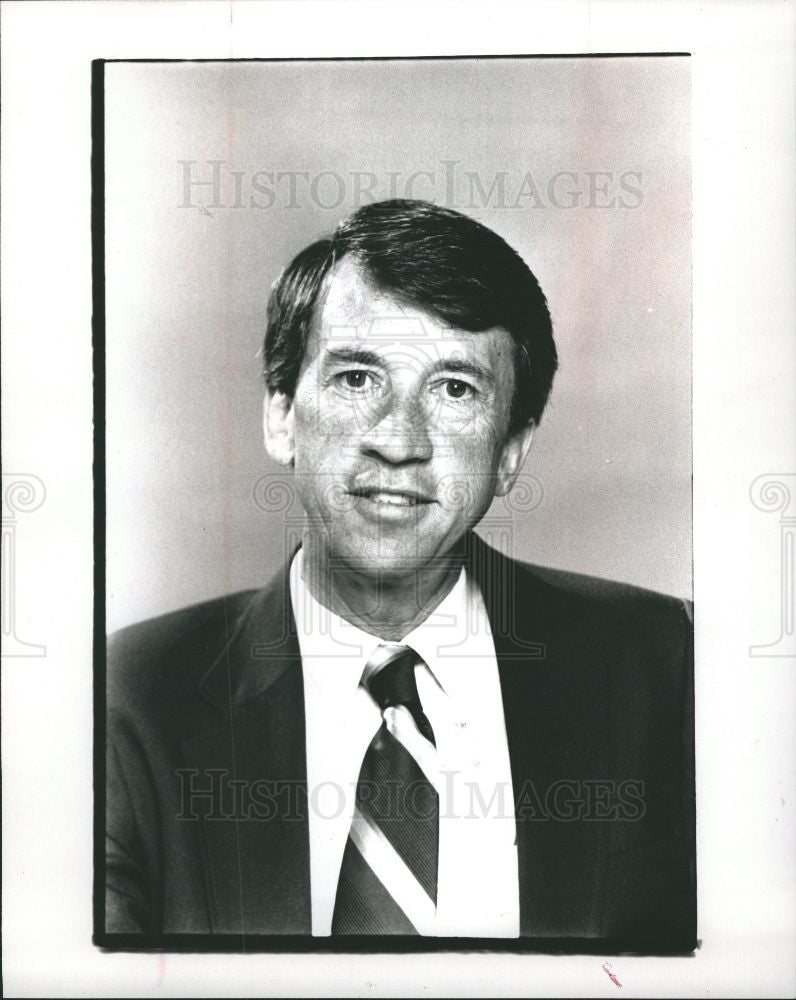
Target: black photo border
[246,943]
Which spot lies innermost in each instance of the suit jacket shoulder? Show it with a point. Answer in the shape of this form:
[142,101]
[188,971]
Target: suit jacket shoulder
[609,594]
[171,650]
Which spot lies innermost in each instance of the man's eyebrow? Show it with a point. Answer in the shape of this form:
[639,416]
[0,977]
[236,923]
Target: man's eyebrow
[462,367]
[353,355]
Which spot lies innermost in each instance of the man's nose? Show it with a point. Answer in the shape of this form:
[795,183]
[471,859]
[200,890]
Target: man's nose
[400,432]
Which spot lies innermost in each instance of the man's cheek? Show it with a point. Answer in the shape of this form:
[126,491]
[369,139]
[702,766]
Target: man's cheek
[468,480]
[338,422]
[340,428]
[316,424]
[473,452]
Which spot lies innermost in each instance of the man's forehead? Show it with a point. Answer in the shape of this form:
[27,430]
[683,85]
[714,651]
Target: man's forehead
[353,301]
[354,309]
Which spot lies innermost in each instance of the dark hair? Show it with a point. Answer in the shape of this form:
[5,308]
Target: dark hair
[438,259]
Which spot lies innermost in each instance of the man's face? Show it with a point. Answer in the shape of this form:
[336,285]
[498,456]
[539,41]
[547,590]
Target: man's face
[397,429]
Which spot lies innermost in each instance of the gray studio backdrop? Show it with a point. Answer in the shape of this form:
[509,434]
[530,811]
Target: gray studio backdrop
[218,173]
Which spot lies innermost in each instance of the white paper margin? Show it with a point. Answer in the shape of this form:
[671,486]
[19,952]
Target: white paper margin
[743,82]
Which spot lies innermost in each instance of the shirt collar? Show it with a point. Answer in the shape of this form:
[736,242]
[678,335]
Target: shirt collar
[334,651]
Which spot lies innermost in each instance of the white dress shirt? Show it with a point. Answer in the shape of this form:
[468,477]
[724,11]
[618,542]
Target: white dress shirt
[459,688]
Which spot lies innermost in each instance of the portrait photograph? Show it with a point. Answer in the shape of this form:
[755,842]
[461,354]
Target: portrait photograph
[399,499]
[397,469]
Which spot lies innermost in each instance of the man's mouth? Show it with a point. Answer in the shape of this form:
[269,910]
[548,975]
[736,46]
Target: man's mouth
[394,498]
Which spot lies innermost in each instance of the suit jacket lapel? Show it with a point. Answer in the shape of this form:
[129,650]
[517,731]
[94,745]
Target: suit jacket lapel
[257,858]
[554,685]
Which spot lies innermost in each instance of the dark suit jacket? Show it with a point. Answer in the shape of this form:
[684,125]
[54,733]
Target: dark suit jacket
[598,699]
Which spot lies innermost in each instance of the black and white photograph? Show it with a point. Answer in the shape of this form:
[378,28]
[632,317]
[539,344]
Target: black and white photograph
[399,498]
[398,472]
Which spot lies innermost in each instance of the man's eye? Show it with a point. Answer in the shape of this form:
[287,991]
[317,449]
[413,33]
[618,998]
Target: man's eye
[356,378]
[455,389]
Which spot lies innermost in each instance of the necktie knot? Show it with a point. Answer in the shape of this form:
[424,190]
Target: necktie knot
[390,676]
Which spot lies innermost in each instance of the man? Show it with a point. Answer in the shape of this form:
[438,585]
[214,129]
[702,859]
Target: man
[406,732]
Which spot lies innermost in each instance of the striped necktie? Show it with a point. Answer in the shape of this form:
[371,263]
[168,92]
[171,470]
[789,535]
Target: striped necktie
[388,879]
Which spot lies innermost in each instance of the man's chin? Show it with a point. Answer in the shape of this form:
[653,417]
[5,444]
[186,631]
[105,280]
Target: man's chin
[380,567]
[415,559]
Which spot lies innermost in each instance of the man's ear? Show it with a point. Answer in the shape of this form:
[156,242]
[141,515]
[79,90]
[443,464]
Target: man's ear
[278,427]
[512,459]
